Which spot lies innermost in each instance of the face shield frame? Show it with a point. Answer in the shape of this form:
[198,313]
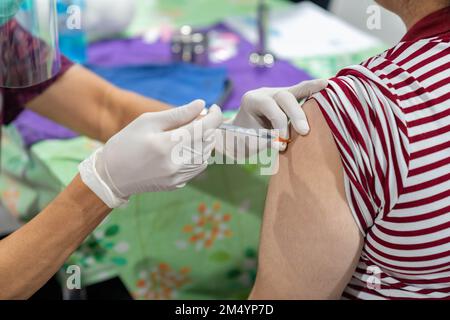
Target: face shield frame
[29,49]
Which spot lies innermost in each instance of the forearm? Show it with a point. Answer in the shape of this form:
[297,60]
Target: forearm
[122,107]
[89,105]
[33,254]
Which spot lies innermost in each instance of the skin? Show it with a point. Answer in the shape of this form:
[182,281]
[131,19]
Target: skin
[30,256]
[412,11]
[93,107]
[310,243]
[307,253]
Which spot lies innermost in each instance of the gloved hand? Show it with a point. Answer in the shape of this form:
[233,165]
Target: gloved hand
[272,108]
[143,157]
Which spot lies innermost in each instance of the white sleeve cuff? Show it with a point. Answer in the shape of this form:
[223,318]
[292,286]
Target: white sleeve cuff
[92,179]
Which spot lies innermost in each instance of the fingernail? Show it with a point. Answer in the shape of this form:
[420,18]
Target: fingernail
[216,106]
[280,146]
[199,102]
[304,127]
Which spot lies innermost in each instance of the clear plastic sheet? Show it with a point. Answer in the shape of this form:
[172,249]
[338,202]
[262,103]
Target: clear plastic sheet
[29,52]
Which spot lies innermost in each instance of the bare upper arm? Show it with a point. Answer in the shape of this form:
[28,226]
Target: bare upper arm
[310,243]
[90,105]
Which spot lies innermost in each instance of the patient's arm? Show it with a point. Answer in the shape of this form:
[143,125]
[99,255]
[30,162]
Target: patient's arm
[310,243]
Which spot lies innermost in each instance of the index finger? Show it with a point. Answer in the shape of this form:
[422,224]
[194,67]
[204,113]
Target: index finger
[212,120]
[308,88]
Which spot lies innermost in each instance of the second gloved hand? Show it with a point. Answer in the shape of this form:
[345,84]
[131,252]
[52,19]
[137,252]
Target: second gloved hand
[143,158]
[270,108]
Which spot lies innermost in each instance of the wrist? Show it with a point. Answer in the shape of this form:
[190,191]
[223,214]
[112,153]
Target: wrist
[81,195]
[99,183]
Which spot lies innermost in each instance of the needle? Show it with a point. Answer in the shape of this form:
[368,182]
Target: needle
[264,134]
[261,133]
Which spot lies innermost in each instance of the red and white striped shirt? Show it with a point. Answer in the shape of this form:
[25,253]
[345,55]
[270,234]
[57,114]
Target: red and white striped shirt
[390,118]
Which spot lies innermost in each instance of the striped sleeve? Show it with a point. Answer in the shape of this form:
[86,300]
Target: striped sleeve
[371,137]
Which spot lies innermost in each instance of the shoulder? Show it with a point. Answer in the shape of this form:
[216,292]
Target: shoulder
[371,134]
[310,242]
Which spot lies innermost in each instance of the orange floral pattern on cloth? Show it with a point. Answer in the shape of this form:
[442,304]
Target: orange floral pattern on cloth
[161,282]
[208,226]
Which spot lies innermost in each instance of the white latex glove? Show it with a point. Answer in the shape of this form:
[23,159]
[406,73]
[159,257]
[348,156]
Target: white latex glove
[142,158]
[273,108]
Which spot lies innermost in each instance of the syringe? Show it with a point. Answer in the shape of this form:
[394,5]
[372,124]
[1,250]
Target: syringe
[260,133]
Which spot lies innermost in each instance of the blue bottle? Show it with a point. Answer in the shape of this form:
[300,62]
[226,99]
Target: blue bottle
[72,35]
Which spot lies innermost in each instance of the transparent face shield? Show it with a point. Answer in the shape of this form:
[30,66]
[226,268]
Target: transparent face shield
[29,52]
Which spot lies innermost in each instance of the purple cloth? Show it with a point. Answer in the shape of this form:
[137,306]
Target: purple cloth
[35,128]
[244,76]
[134,51]
[113,53]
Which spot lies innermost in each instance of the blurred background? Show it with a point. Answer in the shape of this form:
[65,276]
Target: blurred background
[200,242]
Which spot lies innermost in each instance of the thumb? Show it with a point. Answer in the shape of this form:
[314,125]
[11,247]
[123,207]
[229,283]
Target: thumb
[308,88]
[213,119]
[206,125]
[178,117]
